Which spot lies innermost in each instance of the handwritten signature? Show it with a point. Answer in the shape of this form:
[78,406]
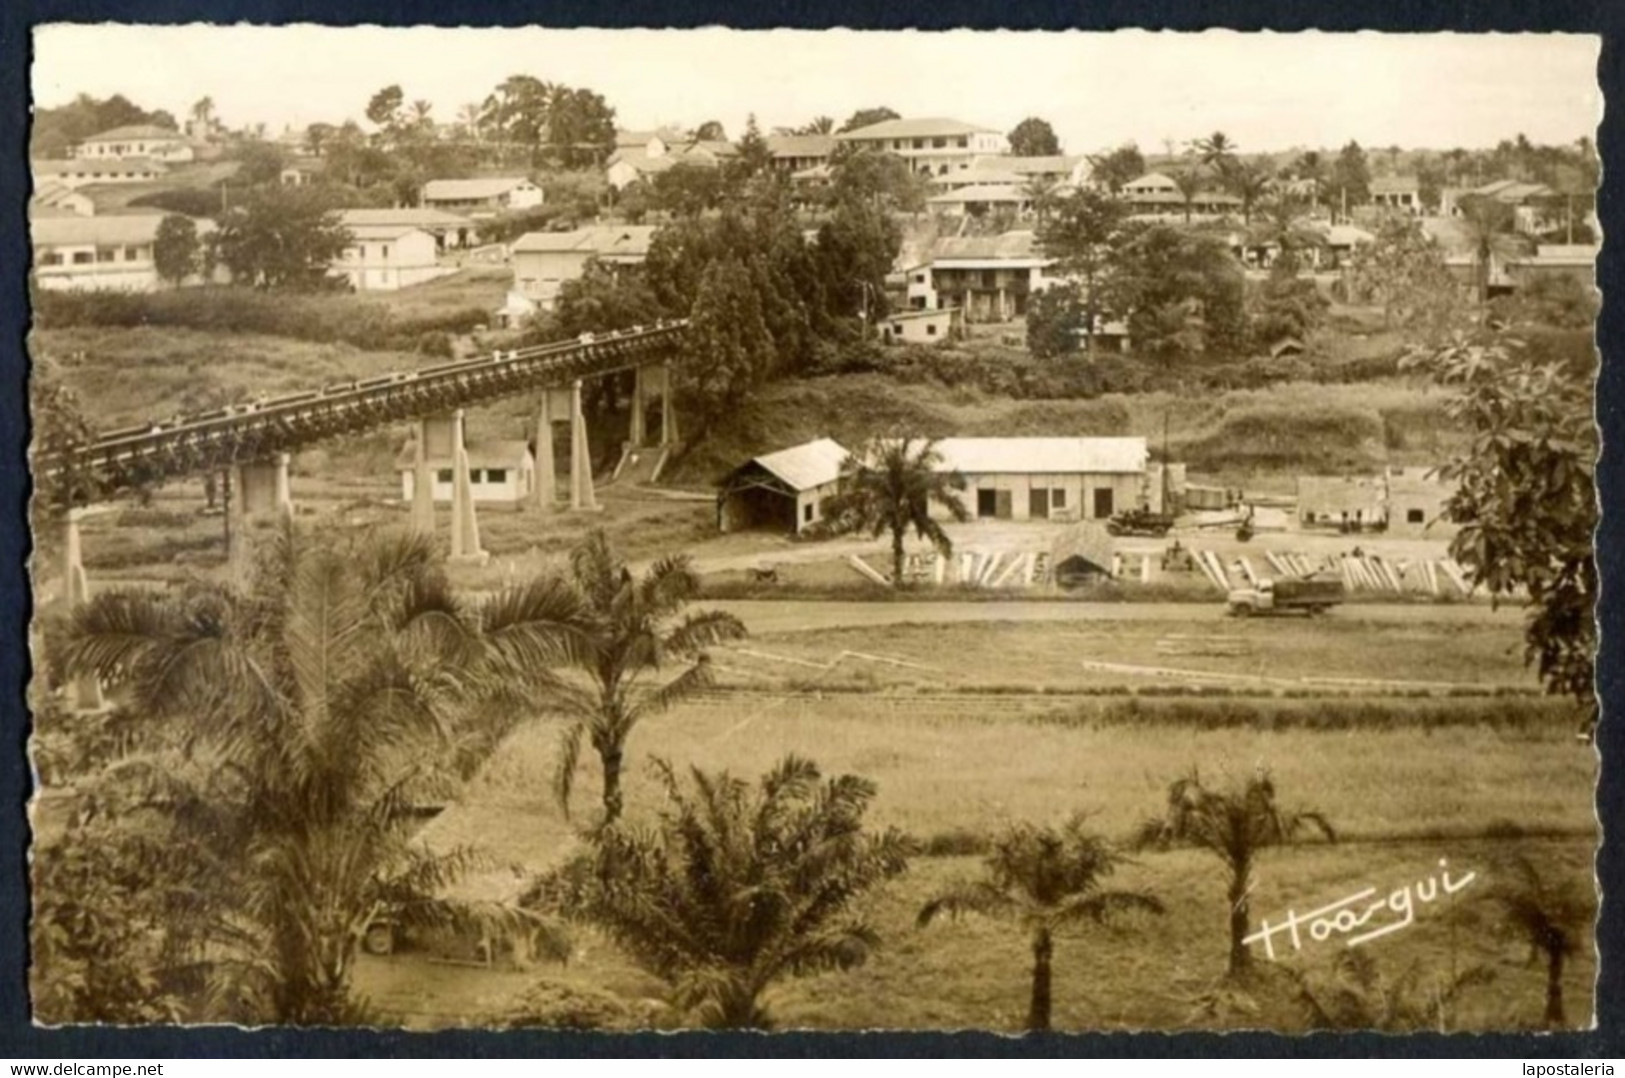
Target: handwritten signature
[1343,916]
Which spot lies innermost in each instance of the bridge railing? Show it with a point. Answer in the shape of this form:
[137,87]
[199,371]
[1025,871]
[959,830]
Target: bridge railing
[253,430]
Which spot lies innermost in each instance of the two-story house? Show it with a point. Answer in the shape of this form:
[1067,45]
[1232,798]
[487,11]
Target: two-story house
[986,278]
[932,146]
[136,140]
[87,252]
[382,258]
[543,261]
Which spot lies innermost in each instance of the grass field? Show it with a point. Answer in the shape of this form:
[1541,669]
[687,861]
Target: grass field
[1402,798]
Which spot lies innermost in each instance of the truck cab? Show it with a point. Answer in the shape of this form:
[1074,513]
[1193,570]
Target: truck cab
[1259,600]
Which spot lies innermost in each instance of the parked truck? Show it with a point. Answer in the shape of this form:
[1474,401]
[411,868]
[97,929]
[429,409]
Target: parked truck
[1139,522]
[1310,594]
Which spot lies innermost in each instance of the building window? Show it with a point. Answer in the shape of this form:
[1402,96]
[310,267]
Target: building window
[930,330]
[1057,498]
[1413,516]
[963,142]
[383,252]
[443,475]
[132,254]
[919,278]
[106,254]
[49,258]
[83,258]
[938,143]
[806,514]
[496,475]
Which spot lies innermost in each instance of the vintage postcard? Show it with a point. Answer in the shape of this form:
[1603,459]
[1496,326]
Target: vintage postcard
[791,530]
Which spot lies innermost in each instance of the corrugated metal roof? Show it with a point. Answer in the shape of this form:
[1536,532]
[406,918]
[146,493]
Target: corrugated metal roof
[112,230]
[489,187]
[412,216]
[806,466]
[1003,247]
[981,192]
[1394,185]
[625,241]
[923,127]
[801,145]
[1050,456]
[380,232]
[138,131]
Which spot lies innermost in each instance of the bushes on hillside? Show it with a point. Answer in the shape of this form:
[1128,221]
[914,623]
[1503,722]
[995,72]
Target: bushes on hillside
[325,319]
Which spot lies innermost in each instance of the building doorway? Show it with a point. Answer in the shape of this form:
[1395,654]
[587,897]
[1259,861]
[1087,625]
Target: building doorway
[1103,503]
[1038,503]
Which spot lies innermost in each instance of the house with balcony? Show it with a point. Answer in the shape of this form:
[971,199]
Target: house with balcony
[543,261]
[932,146]
[798,153]
[1156,195]
[484,197]
[136,140]
[985,278]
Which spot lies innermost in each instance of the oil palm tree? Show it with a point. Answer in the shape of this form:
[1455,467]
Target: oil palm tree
[1552,917]
[1190,182]
[1235,825]
[1358,996]
[1249,181]
[629,634]
[1216,151]
[891,486]
[737,887]
[1045,879]
[289,731]
[1488,222]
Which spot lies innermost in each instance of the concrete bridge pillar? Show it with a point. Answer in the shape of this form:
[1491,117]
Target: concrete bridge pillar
[668,409]
[84,693]
[581,492]
[465,529]
[638,434]
[422,483]
[545,489]
[261,498]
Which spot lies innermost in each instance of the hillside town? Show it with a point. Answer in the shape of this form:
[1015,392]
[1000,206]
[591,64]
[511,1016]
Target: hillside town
[671,575]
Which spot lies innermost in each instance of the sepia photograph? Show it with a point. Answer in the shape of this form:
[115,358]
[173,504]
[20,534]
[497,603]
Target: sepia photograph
[790,530]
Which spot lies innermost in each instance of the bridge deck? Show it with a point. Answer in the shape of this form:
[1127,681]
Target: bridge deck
[237,434]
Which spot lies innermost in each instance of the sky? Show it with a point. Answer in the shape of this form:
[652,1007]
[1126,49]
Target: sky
[1267,92]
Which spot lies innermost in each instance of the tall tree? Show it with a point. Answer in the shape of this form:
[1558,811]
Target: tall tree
[280,237]
[1235,825]
[1554,918]
[738,888]
[1525,488]
[867,118]
[1351,176]
[818,125]
[729,347]
[711,131]
[290,729]
[580,128]
[1174,282]
[1034,137]
[1249,180]
[891,486]
[1489,223]
[518,111]
[1046,880]
[1084,232]
[175,250]
[1217,152]
[1118,167]
[203,115]
[628,633]
[384,108]
[1190,183]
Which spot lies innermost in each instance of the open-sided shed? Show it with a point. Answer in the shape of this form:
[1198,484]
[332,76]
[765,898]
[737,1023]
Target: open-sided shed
[781,491]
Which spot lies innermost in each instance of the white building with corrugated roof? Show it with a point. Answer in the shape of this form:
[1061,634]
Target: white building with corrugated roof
[933,146]
[782,491]
[1047,478]
[483,197]
[543,261]
[382,258]
[89,252]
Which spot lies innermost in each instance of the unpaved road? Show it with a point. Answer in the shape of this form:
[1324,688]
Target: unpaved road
[781,616]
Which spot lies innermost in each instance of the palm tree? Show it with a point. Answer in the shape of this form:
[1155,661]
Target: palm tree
[1234,825]
[1553,917]
[1216,151]
[891,485]
[1040,190]
[290,729]
[1045,879]
[1357,996]
[203,115]
[1249,181]
[1488,222]
[628,633]
[1190,183]
[1311,166]
[737,888]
